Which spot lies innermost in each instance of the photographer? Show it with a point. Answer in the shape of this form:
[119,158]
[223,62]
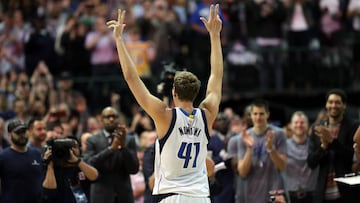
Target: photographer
[66,172]
[165,86]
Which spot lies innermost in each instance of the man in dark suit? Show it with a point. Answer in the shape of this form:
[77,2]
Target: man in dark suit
[115,159]
[331,149]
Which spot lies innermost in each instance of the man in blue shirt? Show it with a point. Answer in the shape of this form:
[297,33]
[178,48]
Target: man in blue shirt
[20,168]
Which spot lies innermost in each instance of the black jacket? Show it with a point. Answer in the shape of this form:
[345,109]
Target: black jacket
[114,169]
[340,153]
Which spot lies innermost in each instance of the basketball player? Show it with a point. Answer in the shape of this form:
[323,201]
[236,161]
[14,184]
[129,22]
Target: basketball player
[180,154]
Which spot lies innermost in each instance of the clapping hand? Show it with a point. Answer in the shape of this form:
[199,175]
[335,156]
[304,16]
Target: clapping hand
[323,132]
[269,140]
[119,137]
[246,137]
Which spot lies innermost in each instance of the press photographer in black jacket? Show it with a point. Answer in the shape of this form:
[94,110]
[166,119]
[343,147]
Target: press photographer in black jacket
[66,172]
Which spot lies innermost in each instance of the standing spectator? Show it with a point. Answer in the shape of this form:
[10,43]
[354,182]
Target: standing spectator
[37,133]
[148,171]
[103,60]
[233,149]
[300,178]
[39,46]
[330,21]
[22,90]
[11,48]
[76,58]
[331,149]
[20,168]
[138,180]
[330,30]
[21,109]
[218,147]
[183,131]
[353,13]
[142,52]
[21,26]
[199,40]
[262,155]
[166,36]
[269,16]
[300,31]
[42,89]
[115,159]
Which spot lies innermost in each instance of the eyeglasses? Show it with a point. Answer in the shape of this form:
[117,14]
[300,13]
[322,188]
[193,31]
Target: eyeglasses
[114,116]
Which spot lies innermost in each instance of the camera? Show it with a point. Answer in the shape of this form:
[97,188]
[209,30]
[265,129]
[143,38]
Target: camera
[60,149]
[167,77]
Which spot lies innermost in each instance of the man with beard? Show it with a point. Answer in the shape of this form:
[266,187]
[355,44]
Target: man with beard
[331,148]
[20,168]
[115,159]
[37,133]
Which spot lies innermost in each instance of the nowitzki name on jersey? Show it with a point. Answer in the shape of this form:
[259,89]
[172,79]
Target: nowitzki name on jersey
[187,130]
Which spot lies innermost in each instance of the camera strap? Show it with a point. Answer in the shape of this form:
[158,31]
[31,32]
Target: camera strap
[78,193]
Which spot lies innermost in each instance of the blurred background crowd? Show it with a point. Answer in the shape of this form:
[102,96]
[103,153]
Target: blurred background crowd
[58,59]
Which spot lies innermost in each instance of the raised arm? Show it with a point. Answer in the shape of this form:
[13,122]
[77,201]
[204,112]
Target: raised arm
[214,87]
[151,104]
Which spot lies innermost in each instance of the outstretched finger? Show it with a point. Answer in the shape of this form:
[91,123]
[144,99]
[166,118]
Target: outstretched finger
[216,12]
[121,16]
[111,22]
[204,21]
[111,25]
[217,7]
[211,13]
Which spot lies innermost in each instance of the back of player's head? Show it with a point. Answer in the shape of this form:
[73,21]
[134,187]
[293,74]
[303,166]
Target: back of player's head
[187,85]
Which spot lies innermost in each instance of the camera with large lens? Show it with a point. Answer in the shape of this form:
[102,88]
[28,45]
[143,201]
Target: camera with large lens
[60,149]
[167,77]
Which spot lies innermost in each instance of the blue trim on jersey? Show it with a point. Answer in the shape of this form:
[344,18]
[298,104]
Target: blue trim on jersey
[187,114]
[205,124]
[167,134]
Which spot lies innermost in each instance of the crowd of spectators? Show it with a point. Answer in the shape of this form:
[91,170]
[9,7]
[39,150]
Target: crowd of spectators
[285,43]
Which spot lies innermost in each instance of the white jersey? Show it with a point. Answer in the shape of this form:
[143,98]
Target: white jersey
[180,156]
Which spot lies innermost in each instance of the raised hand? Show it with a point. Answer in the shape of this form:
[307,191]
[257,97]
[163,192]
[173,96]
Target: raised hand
[119,137]
[324,134]
[118,26]
[269,140]
[214,23]
[247,138]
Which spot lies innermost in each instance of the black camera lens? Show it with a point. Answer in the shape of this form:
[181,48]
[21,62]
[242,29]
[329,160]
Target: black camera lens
[60,149]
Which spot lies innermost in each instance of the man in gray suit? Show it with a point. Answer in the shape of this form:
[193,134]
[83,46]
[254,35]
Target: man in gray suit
[114,156]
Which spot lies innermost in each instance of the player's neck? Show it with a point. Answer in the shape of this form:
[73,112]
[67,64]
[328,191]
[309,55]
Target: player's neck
[186,106]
